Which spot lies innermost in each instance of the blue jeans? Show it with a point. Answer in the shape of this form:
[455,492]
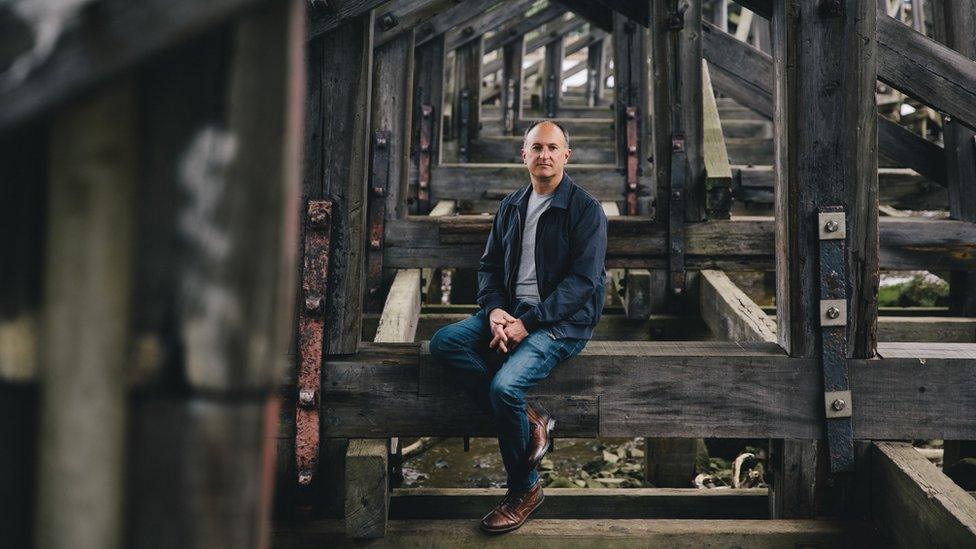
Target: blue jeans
[497,382]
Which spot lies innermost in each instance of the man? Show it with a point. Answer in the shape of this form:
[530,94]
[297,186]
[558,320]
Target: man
[541,290]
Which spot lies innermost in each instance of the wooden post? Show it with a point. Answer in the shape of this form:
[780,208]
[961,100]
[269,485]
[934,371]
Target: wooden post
[815,50]
[596,75]
[392,97]
[88,278]
[721,15]
[513,53]
[954,24]
[553,77]
[466,114]
[428,102]
[630,74]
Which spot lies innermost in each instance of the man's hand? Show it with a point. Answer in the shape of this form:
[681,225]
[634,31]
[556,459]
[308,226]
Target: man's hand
[498,319]
[516,332]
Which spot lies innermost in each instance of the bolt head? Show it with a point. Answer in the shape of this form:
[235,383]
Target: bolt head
[831,226]
[306,398]
[313,303]
[305,478]
[838,405]
[833,312]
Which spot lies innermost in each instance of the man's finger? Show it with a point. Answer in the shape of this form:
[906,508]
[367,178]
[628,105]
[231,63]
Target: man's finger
[501,345]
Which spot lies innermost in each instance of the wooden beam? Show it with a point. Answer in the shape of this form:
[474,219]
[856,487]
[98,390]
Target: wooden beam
[715,156]
[598,392]
[87,50]
[596,62]
[543,38]
[456,16]
[513,54]
[323,19]
[552,77]
[491,20]
[403,16]
[428,93]
[466,112]
[745,74]
[936,75]
[639,242]
[338,122]
[523,25]
[638,12]
[758,534]
[592,503]
[598,17]
[367,488]
[915,503]
[631,87]
[730,313]
[443,208]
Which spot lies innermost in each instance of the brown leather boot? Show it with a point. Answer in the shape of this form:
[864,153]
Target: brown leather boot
[540,435]
[513,510]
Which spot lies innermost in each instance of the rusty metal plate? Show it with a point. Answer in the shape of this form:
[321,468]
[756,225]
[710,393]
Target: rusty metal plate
[311,321]
[632,160]
[378,185]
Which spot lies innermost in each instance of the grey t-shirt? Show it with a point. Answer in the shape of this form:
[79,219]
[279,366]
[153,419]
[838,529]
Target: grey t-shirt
[526,288]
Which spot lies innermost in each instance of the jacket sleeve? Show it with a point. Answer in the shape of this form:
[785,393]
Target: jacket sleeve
[588,249]
[491,269]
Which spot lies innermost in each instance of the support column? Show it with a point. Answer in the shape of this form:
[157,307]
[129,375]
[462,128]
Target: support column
[825,72]
[596,75]
[466,115]
[428,115]
[552,77]
[513,53]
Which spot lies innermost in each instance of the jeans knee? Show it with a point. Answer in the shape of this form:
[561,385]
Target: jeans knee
[503,392]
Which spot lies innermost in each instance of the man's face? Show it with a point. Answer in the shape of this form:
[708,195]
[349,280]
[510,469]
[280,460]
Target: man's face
[544,151]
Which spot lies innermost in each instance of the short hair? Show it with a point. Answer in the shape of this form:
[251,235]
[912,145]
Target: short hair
[525,136]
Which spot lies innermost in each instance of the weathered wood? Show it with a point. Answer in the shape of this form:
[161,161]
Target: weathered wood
[403,16]
[541,39]
[730,313]
[427,278]
[671,462]
[524,25]
[51,56]
[367,488]
[638,293]
[453,17]
[324,19]
[631,78]
[596,63]
[467,89]
[336,166]
[915,503]
[88,277]
[395,390]
[638,242]
[639,12]
[552,77]
[759,534]
[936,75]
[927,328]
[402,309]
[489,21]
[592,12]
[513,54]
[690,106]
[428,89]
[592,503]
[715,157]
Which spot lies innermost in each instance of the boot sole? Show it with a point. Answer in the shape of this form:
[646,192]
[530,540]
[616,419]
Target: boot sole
[519,525]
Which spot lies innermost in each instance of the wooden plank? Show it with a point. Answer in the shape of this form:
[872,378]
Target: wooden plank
[541,39]
[489,21]
[638,242]
[86,311]
[341,118]
[596,67]
[50,58]
[552,77]
[715,157]
[592,503]
[453,17]
[467,82]
[428,89]
[730,313]
[638,294]
[927,328]
[916,503]
[936,75]
[637,12]
[402,16]
[758,534]
[590,11]
[513,54]
[323,19]
[523,25]
[367,488]
[398,322]
[391,390]
[443,208]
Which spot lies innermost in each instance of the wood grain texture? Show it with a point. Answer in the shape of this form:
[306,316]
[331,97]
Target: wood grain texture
[367,488]
[730,313]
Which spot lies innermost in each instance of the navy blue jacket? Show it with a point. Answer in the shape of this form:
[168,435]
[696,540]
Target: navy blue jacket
[570,252]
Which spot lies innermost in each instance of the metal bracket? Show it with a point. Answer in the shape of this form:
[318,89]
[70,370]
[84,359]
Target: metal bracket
[633,163]
[833,338]
[676,214]
[551,95]
[311,321]
[423,165]
[378,187]
[463,121]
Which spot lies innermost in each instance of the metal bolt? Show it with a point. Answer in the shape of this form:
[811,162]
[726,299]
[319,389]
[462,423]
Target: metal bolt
[379,191]
[317,218]
[388,21]
[380,142]
[632,149]
[838,405]
[305,477]
[306,398]
[675,194]
[468,31]
[374,243]
[313,303]
[831,226]
[833,312]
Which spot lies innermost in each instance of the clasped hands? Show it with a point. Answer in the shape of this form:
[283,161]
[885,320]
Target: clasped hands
[506,330]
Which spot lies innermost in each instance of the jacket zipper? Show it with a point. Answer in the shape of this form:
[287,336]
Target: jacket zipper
[511,278]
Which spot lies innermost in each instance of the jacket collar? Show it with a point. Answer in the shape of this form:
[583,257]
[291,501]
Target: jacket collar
[560,198]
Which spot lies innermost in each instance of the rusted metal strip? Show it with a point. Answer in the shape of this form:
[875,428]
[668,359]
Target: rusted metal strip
[423,168]
[838,406]
[378,187]
[632,160]
[676,214]
[311,321]
[463,120]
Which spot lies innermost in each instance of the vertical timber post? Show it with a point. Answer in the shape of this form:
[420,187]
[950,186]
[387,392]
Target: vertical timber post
[466,116]
[595,72]
[513,52]
[553,77]
[825,67]
[428,103]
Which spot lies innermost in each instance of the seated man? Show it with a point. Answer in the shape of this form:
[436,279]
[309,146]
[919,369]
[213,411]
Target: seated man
[541,290]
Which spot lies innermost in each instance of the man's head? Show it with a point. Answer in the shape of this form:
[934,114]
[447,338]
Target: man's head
[545,149]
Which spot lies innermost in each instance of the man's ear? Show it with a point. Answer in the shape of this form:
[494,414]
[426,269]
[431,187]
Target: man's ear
[569,152]
[522,152]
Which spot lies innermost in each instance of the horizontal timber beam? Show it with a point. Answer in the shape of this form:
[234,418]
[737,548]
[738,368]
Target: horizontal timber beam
[543,38]
[697,389]
[524,26]
[637,241]
[491,20]
[405,15]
